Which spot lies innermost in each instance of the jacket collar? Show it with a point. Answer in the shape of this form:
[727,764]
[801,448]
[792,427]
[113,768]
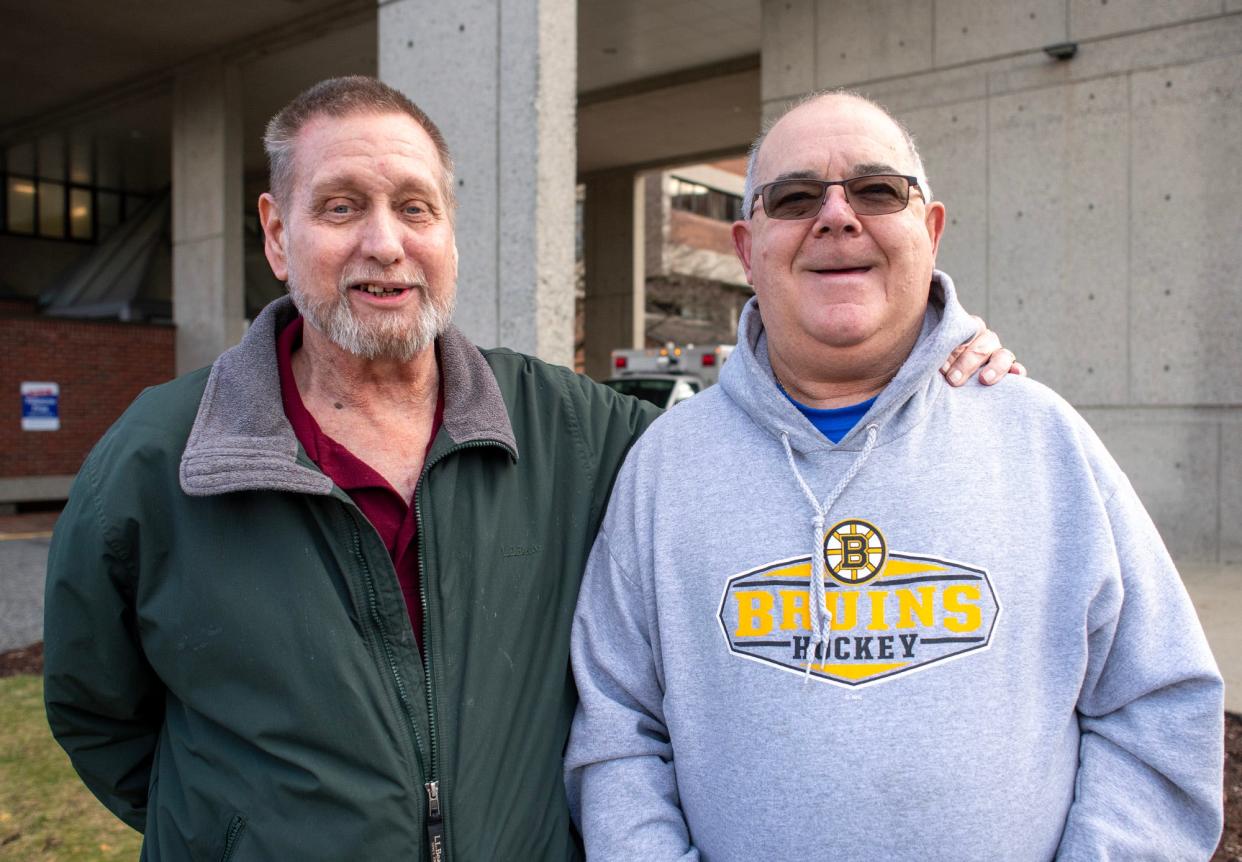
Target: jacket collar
[242,441]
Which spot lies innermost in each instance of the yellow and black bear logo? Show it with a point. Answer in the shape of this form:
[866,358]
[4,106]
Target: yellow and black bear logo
[854,552]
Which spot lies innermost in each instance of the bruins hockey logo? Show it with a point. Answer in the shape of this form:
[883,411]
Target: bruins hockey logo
[891,611]
[854,551]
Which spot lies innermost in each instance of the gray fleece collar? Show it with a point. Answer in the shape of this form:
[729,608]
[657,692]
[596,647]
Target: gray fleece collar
[242,441]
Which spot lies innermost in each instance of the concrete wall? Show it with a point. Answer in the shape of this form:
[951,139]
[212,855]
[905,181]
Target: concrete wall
[498,79]
[208,282]
[613,229]
[1093,215]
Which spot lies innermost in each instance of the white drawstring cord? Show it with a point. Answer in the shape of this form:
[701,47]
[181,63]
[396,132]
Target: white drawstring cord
[821,617]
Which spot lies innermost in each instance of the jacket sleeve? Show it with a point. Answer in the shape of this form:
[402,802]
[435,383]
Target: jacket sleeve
[609,423]
[1151,712]
[104,702]
[620,775]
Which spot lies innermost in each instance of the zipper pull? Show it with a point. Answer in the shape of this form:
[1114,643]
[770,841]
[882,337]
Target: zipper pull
[435,822]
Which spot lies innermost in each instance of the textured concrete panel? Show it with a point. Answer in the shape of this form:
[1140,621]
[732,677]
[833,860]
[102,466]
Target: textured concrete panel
[1186,171]
[1174,465]
[499,80]
[613,228]
[202,291]
[968,30]
[208,279]
[1090,19]
[198,130]
[206,156]
[1147,49]
[1231,489]
[1057,257]
[1233,5]
[952,141]
[860,40]
[930,88]
[446,57]
[538,75]
[787,45]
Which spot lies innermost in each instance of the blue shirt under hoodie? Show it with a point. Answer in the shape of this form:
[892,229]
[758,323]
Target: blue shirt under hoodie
[955,635]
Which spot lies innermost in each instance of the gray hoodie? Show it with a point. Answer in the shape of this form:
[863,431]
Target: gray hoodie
[955,635]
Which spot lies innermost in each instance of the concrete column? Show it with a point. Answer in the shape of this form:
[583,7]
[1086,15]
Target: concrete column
[613,228]
[208,282]
[498,77]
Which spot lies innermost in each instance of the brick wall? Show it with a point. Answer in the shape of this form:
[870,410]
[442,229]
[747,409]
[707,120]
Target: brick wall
[18,305]
[100,366]
[699,231]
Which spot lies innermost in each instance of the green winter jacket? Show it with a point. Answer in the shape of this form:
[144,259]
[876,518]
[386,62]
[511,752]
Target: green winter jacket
[229,663]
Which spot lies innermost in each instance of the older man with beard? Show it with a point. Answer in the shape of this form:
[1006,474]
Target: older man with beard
[314,602]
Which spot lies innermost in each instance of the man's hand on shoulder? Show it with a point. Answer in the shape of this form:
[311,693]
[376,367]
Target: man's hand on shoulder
[985,352]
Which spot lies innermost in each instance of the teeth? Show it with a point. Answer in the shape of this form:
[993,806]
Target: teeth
[376,290]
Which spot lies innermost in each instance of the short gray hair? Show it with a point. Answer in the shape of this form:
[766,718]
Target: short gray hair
[341,97]
[752,161]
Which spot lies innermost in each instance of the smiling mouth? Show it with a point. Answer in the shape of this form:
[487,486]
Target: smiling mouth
[385,290]
[844,270]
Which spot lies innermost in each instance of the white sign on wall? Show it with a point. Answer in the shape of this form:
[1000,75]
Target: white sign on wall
[40,406]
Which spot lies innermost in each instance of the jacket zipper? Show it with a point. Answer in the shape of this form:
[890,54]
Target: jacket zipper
[435,788]
[373,603]
[236,825]
[435,823]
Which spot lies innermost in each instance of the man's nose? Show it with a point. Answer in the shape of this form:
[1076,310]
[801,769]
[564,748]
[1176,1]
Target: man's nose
[381,239]
[836,215]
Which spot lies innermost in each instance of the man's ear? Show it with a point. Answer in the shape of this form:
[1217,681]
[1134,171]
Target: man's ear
[934,220]
[273,236]
[741,245]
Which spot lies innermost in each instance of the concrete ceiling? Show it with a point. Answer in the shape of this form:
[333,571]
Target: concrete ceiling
[716,115]
[56,54]
[107,67]
[621,41]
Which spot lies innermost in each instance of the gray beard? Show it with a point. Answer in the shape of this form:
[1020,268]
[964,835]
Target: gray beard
[391,337]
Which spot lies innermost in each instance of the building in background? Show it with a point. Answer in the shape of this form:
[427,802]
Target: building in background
[1088,152]
[693,285]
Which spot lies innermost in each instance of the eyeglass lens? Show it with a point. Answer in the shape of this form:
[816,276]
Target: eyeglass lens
[870,195]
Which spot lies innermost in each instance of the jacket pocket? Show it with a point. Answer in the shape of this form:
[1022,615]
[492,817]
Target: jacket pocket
[236,826]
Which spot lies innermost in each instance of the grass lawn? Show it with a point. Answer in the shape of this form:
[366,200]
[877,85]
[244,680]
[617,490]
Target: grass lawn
[46,813]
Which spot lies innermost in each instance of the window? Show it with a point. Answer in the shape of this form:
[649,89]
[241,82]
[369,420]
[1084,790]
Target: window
[708,202]
[63,188]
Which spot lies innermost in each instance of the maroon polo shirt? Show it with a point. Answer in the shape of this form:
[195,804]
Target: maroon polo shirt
[378,500]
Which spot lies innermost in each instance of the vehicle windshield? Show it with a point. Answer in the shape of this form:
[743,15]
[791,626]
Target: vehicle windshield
[655,391]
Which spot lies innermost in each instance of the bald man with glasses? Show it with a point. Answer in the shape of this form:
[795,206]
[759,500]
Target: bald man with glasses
[841,610]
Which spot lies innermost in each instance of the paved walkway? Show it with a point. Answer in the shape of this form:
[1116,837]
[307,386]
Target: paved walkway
[1217,594]
[1215,590]
[23,561]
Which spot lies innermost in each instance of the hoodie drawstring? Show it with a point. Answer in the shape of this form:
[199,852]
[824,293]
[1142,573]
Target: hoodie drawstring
[821,617]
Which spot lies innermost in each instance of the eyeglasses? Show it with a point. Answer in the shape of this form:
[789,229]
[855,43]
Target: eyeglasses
[874,194]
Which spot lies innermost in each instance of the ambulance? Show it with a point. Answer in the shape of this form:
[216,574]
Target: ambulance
[667,375]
